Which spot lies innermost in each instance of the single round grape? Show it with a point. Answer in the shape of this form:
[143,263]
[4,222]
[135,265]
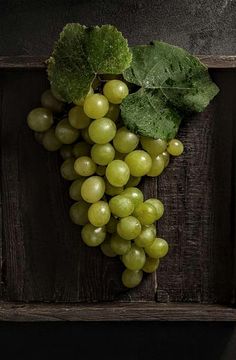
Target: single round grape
[79,212]
[101,170]
[119,246]
[39,136]
[158,205]
[117,173]
[175,147]
[112,190]
[49,101]
[125,141]
[84,166]
[115,91]
[56,94]
[154,147]
[129,228]
[93,189]
[75,189]
[139,162]
[81,149]
[96,106]
[101,131]
[133,181]
[102,154]
[119,156]
[92,235]
[146,237]
[158,249]
[66,151]
[134,194]
[86,137]
[67,170]
[146,213]
[113,112]
[65,132]
[80,101]
[111,225]
[40,119]
[50,142]
[157,167]
[106,248]
[99,213]
[166,158]
[131,279]
[135,258]
[121,206]
[77,118]
[151,265]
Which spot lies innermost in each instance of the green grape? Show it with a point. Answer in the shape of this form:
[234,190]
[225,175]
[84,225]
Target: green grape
[84,166]
[146,213]
[101,131]
[56,94]
[80,101]
[112,190]
[75,189]
[125,141]
[49,101]
[67,170]
[119,156]
[86,137]
[151,265]
[93,189]
[135,258]
[40,119]
[39,136]
[131,279]
[121,206]
[166,158]
[120,246]
[158,165]
[81,149]
[99,213]
[175,147]
[133,181]
[139,162]
[96,106]
[115,91]
[102,154]
[158,205]
[66,152]
[79,212]
[129,228]
[50,142]
[106,248]
[77,118]
[146,237]
[113,112]
[117,173]
[134,194]
[101,170]
[158,249]
[111,225]
[65,132]
[92,235]
[154,147]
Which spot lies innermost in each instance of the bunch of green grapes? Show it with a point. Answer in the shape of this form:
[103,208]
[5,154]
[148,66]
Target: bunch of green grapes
[105,162]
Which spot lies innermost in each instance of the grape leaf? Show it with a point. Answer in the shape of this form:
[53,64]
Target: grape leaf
[81,53]
[172,82]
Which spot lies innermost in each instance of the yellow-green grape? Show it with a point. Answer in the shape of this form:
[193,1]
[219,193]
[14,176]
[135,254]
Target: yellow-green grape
[50,142]
[175,147]
[117,173]
[139,162]
[102,154]
[151,265]
[92,235]
[129,228]
[146,213]
[96,106]
[56,94]
[40,119]
[39,136]
[158,205]
[65,132]
[153,146]
[84,166]
[158,249]
[67,170]
[134,194]
[133,181]
[101,170]
[119,156]
[113,112]
[146,237]
[81,149]
[135,258]
[75,189]
[125,141]
[99,213]
[121,206]
[49,101]
[112,190]
[93,189]
[77,118]
[111,225]
[79,212]
[86,137]
[115,91]
[166,158]
[157,167]
[101,131]
[66,151]
[119,246]
[80,101]
[106,248]
[131,279]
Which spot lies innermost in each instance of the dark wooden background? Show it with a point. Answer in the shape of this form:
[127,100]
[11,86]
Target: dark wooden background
[203,27]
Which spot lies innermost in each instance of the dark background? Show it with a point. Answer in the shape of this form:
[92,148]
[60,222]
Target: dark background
[202,27]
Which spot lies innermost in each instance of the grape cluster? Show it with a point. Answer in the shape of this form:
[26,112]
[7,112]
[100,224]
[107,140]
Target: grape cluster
[105,162]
